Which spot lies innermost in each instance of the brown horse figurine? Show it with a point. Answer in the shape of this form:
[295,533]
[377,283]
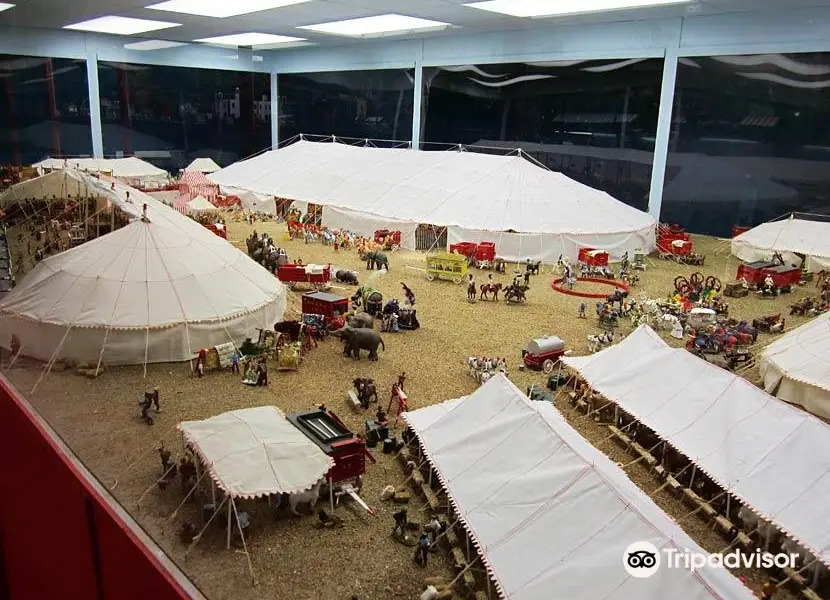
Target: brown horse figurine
[490,288]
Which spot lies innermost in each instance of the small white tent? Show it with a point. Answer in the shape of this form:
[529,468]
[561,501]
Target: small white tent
[204,165]
[154,291]
[131,170]
[200,204]
[796,366]
[550,515]
[529,211]
[789,236]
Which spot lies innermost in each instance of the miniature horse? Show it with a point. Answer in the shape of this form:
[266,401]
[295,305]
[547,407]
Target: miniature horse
[490,288]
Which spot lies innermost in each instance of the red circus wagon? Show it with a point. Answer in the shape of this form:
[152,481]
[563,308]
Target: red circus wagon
[593,257]
[390,240]
[481,252]
[322,303]
[318,276]
[544,353]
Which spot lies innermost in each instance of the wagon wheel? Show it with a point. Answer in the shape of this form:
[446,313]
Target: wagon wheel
[547,367]
[685,288]
[696,279]
[681,283]
[713,283]
[457,279]
[430,276]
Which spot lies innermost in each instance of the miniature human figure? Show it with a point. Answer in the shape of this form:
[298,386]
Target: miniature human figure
[145,405]
[471,288]
[582,308]
[235,362]
[401,380]
[422,549]
[769,283]
[200,362]
[154,398]
[262,373]
[408,294]
[187,471]
[401,520]
[526,277]
[322,408]
[517,278]
[381,417]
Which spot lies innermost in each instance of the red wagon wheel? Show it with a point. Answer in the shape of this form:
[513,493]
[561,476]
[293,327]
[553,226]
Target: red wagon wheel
[713,283]
[696,279]
[681,283]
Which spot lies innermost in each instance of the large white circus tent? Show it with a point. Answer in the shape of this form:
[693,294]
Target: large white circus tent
[156,290]
[793,236]
[529,211]
[130,170]
[796,366]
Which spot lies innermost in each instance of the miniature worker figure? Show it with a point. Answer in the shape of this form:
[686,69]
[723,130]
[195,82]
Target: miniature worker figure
[164,455]
[154,396]
[235,361]
[422,549]
[401,520]
[582,308]
[200,362]
[471,288]
[145,405]
[381,417]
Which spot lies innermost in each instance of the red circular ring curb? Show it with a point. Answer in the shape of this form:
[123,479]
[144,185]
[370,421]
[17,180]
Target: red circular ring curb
[556,284]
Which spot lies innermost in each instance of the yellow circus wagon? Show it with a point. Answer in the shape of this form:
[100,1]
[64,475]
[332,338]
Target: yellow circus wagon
[446,265]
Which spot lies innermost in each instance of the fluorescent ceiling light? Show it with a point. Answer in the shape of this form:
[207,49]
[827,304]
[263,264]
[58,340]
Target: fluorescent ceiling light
[121,25]
[221,9]
[5,6]
[153,45]
[555,8]
[250,39]
[378,25]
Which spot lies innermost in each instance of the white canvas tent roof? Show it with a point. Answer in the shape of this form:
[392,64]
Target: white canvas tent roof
[200,204]
[255,452]
[148,292]
[788,236]
[547,511]
[796,366]
[478,196]
[775,458]
[131,170]
[65,183]
[205,165]
[251,201]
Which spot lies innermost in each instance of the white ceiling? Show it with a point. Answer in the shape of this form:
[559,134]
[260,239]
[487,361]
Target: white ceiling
[55,14]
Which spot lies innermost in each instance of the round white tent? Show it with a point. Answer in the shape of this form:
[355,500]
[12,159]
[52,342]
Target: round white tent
[130,170]
[791,236]
[527,210]
[796,366]
[200,204]
[204,165]
[153,291]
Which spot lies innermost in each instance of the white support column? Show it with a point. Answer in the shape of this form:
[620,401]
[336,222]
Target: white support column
[416,105]
[96,128]
[661,141]
[275,111]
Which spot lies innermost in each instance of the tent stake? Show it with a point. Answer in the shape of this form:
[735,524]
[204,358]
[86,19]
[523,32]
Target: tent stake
[230,509]
[331,494]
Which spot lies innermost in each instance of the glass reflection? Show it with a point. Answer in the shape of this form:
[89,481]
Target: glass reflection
[352,104]
[171,115]
[750,140]
[595,121]
[44,109]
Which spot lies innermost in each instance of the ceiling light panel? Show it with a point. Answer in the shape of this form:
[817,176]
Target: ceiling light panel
[557,8]
[5,6]
[222,9]
[250,39]
[379,25]
[121,25]
[148,45]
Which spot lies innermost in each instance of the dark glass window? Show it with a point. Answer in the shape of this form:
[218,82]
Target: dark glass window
[750,140]
[171,115]
[44,109]
[594,121]
[373,105]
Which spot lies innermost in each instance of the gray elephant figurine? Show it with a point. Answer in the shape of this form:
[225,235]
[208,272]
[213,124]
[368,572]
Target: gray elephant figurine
[376,260]
[361,320]
[356,340]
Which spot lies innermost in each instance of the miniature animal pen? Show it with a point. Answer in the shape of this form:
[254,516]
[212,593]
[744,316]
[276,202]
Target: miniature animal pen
[446,265]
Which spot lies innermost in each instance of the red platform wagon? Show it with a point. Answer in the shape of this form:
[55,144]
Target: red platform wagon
[318,276]
[325,304]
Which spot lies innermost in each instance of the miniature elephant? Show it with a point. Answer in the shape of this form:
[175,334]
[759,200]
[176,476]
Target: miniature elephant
[376,260]
[361,320]
[346,276]
[360,339]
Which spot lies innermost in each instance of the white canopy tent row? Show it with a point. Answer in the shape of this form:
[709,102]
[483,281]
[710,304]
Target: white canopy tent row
[203,165]
[791,236]
[550,515]
[156,290]
[772,456]
[529,211]
[131,170]
[796,366]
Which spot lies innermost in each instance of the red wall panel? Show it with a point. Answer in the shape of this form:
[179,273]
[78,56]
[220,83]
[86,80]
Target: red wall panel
[60,534]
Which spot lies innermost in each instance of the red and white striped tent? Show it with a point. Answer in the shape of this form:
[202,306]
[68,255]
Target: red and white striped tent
[196,183]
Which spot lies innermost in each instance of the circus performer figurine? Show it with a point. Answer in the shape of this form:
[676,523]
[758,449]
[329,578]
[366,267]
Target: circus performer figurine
[471,288]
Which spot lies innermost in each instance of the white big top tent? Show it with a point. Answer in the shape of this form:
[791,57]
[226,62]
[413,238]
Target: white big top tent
[773,457]
[156,290]
[550,515]
[131,170]
[204,165]
[527,210]
[796,366]
[791,236]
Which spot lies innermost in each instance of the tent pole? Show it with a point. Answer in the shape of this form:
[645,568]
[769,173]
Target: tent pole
[331,494]
[429,479]
[489,593]
[692,479]
[212,492]
[728,498]
[230,510]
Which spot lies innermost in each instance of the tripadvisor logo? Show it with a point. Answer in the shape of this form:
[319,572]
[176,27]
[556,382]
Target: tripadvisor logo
[643,559]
